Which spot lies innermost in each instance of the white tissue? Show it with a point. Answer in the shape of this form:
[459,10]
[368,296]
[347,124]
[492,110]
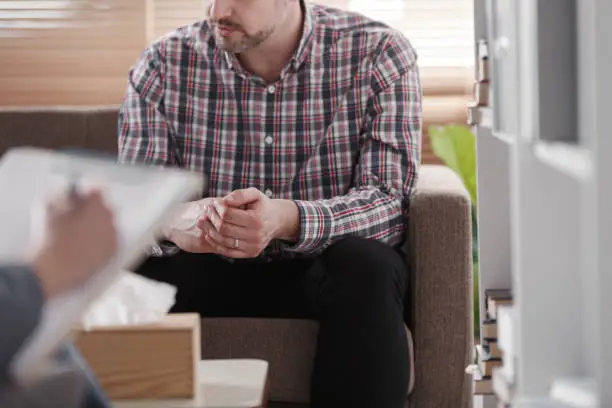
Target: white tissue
[131,299]
[187,217]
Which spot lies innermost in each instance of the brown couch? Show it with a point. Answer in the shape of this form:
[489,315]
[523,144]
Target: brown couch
[440,258]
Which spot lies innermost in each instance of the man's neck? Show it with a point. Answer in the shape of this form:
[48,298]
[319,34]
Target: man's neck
[269,58]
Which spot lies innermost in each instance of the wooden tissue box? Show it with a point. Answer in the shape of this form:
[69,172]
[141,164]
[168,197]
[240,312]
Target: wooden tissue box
[143,361]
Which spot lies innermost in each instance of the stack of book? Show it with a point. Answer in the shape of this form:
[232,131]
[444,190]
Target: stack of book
[494,368]
[481,85]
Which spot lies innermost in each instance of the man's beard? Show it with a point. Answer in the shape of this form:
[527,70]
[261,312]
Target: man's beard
[243,44]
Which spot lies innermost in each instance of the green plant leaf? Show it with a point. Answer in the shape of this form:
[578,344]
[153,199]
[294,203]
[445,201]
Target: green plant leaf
[455,145]
[476,300]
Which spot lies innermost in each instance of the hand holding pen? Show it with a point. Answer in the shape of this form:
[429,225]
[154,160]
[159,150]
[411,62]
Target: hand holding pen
[80,238]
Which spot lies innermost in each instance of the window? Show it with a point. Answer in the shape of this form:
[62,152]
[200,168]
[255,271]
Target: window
[68,52]
[171,14]
[442,31]
[19,18]
[78,52]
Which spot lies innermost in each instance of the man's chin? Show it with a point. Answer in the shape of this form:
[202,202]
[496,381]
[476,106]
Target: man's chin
[226,44]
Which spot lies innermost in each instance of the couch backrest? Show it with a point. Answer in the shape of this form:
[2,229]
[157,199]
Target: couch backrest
[96,127]
[60,127]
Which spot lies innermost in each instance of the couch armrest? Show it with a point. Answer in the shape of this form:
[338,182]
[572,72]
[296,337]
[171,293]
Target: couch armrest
[440,255]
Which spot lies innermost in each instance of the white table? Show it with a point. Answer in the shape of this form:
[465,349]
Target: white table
[235,383]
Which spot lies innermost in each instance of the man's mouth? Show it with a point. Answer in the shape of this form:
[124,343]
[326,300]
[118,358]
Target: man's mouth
[225,30]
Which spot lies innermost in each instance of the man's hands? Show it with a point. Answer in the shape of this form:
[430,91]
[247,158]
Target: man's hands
[242,224]
[80,238]
[184,229]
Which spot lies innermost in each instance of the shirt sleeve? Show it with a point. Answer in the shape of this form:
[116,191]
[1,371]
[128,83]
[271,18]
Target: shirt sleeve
[377,205]
[21,302]
[144,135]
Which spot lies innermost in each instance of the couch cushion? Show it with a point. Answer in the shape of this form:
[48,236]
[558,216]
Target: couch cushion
[287,344]
[52,128]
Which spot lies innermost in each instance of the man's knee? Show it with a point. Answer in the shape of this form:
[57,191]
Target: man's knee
[367,266]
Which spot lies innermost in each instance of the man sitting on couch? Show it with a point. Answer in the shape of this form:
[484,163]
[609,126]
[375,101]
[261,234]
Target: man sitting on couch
[307,121]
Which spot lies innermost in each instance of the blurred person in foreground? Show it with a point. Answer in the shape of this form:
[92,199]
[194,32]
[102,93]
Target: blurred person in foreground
[80,239]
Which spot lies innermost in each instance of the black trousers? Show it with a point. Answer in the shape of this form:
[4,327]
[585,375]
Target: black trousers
[355,290]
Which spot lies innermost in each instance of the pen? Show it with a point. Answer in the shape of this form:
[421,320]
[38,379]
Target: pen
[74,197]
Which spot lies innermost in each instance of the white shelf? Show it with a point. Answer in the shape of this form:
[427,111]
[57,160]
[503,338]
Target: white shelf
[486,116]
[578,392]
[538,403]
[545,229]
[569,159]
[485,401]
[504,137]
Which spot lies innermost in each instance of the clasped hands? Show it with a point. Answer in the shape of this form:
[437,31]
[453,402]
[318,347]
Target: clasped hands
[239,225]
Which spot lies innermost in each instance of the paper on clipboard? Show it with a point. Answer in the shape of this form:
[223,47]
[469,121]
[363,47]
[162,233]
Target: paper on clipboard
[142,198]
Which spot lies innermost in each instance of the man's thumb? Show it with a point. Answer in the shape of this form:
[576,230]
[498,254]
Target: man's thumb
[242,197]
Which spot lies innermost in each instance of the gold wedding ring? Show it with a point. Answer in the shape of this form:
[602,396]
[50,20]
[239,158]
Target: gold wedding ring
[235,243]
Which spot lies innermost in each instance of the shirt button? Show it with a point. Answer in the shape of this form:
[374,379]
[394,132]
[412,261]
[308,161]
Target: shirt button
[268,193]
[271,89]
[269,139]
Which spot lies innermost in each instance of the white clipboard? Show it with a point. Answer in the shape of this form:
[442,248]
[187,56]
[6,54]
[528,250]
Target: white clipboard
[142,197]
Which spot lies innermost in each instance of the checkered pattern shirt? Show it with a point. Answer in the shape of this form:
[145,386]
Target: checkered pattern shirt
[339,132]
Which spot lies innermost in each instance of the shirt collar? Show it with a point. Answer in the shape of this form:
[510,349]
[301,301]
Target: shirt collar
[302,51]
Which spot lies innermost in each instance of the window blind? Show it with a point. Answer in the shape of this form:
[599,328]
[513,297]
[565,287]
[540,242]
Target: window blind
[78,52]
[442,31]
[68,52]
[31,17]
[171,14]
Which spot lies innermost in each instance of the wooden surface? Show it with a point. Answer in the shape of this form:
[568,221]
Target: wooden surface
[145,361]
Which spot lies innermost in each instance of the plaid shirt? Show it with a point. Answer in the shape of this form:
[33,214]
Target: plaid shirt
[339,132]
